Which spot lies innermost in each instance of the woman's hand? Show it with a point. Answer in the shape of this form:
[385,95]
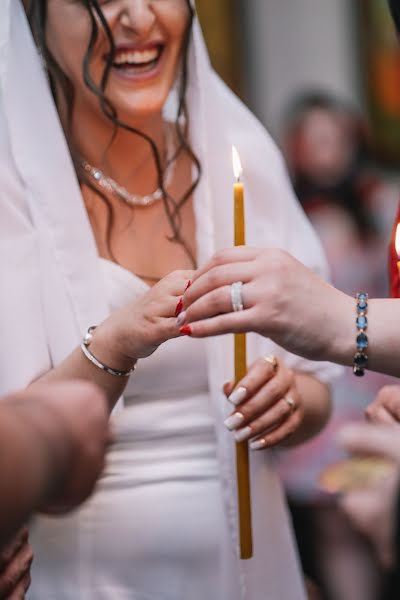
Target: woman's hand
[282,299]
[386,406]
[15,565]
[373,509]
[268,405]
[136,330]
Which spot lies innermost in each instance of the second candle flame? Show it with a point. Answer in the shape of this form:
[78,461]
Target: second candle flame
[397,241]
[237,165]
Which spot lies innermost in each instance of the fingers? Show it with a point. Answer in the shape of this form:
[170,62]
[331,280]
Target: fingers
[378,414]
[235,322]
[19,540]
[214,303]
[17,570]
[217,277]
[177,282]
[229,255]
[386,407]
[21,589]
[281,433]
[260,372]
[263,405]
[380,440]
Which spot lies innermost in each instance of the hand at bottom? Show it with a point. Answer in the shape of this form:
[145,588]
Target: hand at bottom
[268,405]
[15,564]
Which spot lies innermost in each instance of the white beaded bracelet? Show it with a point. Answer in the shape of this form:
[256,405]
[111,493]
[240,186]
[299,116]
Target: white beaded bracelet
[87,339]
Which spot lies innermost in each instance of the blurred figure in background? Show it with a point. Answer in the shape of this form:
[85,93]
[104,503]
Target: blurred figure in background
[352,208]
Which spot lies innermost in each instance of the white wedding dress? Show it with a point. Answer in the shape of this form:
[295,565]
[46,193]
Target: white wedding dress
[154,528]
[128,541]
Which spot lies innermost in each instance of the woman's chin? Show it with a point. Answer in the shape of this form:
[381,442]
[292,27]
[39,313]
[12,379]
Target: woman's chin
[133,109]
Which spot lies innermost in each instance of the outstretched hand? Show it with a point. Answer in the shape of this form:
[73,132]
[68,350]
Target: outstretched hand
[386,406]
[373,509]
[282,300]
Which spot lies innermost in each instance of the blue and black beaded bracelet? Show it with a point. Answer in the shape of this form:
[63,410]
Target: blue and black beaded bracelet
[360,361]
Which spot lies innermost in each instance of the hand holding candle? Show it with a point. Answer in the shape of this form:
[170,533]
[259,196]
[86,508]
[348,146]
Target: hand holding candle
[242,451]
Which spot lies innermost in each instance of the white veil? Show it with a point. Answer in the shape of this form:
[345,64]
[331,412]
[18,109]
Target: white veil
[51,288]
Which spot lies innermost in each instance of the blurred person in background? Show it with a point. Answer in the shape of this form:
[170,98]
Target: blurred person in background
[348,204]
[374,508]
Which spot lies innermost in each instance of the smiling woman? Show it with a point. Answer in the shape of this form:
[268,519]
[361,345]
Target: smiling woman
[130,63]
[163,521]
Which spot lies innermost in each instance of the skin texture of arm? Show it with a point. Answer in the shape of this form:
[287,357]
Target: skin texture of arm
[51,457]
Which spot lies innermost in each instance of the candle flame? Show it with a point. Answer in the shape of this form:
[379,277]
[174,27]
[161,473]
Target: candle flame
[397,242]
[237,165]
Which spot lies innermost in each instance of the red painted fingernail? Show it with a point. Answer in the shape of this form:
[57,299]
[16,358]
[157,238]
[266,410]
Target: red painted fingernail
[189,283]
[179,307]
[186,330]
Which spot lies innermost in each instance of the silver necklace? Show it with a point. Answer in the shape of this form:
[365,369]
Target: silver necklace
[111,186]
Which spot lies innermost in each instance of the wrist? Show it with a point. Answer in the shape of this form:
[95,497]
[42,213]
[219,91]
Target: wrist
[342,336]
[109,348]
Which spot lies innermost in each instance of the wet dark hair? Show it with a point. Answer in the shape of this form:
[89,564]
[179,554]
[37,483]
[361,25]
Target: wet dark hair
[64,96]
[394,6]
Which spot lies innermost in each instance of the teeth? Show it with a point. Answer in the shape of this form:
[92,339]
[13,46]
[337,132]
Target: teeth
[137,57]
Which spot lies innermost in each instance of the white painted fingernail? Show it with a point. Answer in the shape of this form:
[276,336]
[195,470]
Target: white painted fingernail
[243,434]
[258,444]
[234,421]
[181,319]
[238,396]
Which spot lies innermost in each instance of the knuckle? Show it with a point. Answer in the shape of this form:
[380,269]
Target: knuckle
[29,555]
[219,257]
[214,277]
[214,302]
[266,368]
[8,581]
[387,392]
[278,258]
[284,409]
[247,413]
[370,411]
[291,429]
[290,374]
[257,427]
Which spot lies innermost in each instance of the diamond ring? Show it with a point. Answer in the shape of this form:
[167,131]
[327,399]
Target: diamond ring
[236,296]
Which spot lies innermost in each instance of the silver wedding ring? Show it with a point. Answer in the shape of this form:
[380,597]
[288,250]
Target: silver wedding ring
[236,296]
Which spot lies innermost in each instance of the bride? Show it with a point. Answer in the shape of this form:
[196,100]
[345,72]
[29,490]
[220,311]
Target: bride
[149,129]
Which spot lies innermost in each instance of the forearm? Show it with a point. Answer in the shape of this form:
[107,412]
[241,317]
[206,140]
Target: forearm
[77,367]
[33,461]
[315,399]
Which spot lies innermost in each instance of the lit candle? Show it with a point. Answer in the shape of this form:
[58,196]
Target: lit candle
[395,263]
[242,449]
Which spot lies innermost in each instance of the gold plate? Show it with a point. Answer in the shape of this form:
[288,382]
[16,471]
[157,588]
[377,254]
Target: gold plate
[353,474]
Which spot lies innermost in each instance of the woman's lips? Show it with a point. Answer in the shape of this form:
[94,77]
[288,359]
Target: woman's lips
[138,62]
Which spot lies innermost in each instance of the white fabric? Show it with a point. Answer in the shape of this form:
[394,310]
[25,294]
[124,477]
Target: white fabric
[154,529]
[51,285]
